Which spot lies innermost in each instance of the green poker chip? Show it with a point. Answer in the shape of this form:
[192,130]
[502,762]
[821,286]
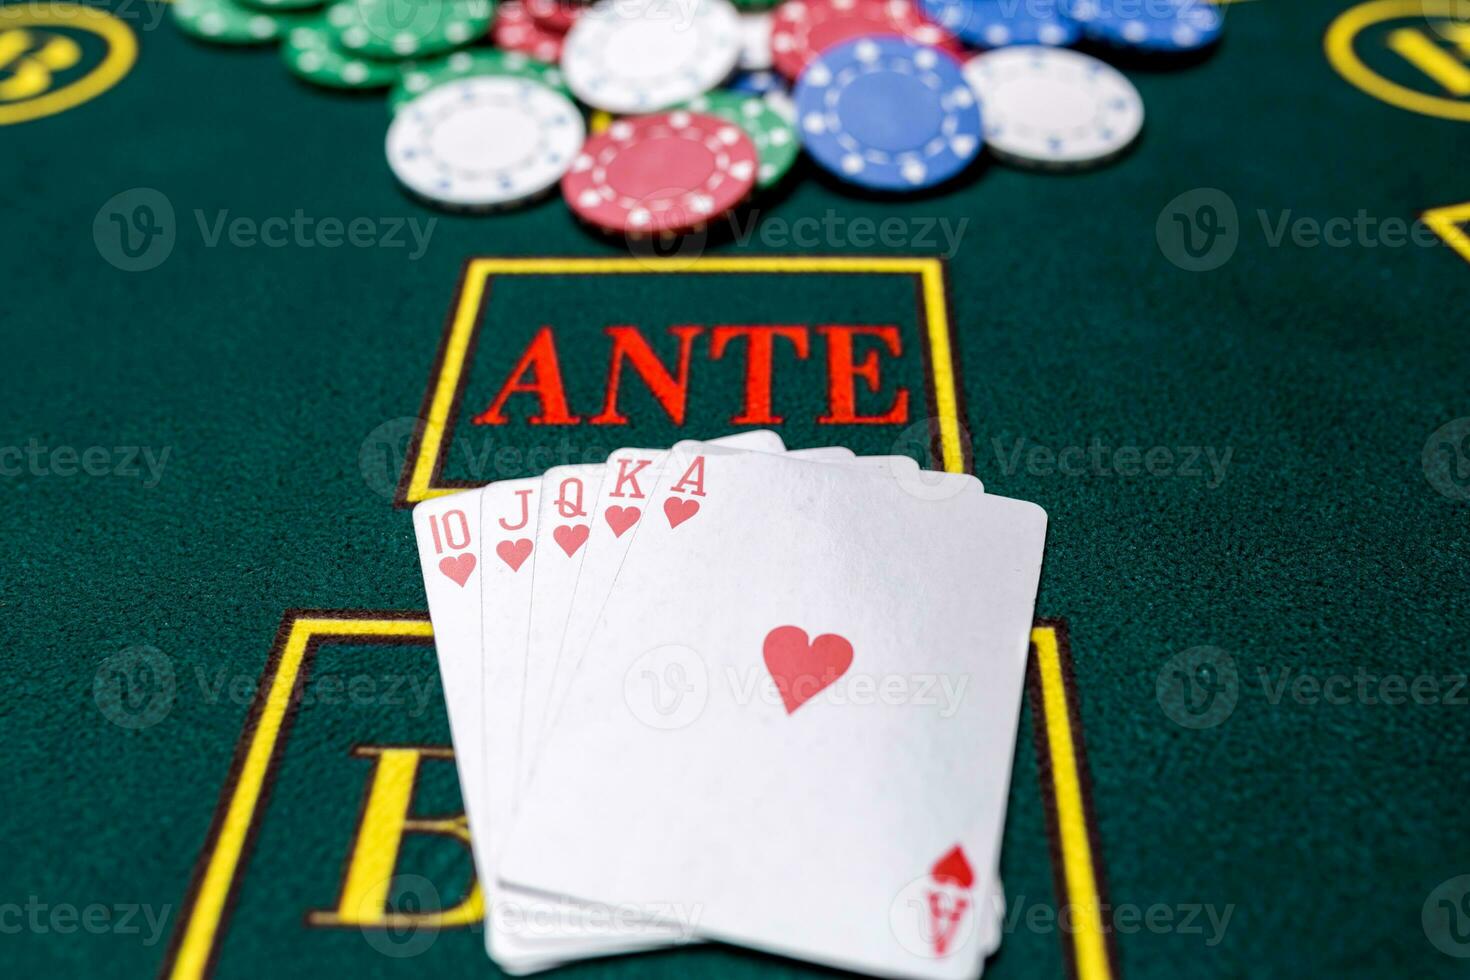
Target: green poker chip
[287,6]
[772,132]
[227,22]
[396,29]
[419,77]
[312,53]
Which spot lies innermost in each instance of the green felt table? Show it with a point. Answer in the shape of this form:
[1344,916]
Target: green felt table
[1231,366]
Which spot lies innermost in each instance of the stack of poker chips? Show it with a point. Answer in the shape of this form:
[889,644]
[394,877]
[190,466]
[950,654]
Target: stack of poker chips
[657,120]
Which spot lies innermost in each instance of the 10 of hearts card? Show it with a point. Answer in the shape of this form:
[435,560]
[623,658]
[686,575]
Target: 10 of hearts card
[728,692]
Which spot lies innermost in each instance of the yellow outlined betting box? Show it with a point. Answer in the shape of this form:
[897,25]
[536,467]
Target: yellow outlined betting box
[422,476]
[225,856]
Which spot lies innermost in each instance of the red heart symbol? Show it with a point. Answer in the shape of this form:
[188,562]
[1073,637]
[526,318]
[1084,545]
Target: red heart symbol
[953,869]
[571,537]
[803,668]
[514,553]
[621,518]
[679,509]
[459,568]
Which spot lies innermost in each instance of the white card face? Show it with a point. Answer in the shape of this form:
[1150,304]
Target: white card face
[800,715]
[527,932]
[447,531]
[568,494]
[621,502]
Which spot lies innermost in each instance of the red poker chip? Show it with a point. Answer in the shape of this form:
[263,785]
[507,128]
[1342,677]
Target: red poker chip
[556,16]
[516,30]
[803,29]
[669,172]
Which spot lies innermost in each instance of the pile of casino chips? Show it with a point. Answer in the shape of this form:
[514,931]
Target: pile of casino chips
[658,116]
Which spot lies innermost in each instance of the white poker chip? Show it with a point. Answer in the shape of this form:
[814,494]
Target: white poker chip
[1053,108]
[755,41]
[485,142]
[636,56]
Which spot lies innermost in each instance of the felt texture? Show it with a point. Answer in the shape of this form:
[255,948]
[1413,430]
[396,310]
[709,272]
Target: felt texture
[264,371]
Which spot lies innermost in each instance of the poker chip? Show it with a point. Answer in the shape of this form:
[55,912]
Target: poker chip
[407,28]
[311,53]
[1054,108]
[1000,23]
[803,29]
[418,78]
[668,172]
[556,16]
[755,41]
[647,55]
[772,132]
[756,82]
[516,30]
[888,114]
[227,22]
[484,143]
[1156,26]
[294,6]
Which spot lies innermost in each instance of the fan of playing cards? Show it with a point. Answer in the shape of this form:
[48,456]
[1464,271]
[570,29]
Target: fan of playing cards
[729,692]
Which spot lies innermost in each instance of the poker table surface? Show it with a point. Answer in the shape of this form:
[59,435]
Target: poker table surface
[1231,366]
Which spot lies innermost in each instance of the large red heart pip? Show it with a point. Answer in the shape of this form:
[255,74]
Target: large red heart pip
[804,668]
[514,553]
[953,869]
[621,518]
[571,537]
[459,568]
[680,509]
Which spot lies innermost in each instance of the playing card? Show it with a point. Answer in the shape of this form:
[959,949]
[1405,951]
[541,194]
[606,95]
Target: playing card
[532,932]
[568,512]
[621,499]
[800,716]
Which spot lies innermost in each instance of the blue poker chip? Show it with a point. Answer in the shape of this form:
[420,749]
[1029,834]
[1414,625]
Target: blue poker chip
[1002,23]
[756,82]
[888,114]
[1148,25]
